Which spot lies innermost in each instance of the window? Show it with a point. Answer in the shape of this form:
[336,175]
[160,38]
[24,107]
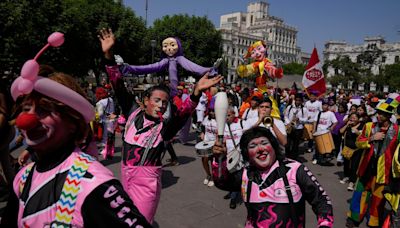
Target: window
[396,59]
[232,19]
[383,59]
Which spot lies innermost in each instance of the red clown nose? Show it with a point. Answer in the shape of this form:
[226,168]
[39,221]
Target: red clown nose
[26,121]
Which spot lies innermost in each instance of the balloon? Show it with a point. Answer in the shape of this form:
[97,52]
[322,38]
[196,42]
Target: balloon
[30,69]
[30,80]
[65,95]
[56,39]
[221,109]
[25,86]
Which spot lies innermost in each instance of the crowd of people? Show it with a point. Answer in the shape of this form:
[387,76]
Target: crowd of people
[58,179]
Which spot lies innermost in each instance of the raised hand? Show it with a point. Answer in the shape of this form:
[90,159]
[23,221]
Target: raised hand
[205,83]
[107,40]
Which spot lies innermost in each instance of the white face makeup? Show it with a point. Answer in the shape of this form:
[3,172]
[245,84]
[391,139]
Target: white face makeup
[170,46]
[157,103]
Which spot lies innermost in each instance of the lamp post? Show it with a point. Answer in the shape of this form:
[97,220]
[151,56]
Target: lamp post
[153,44]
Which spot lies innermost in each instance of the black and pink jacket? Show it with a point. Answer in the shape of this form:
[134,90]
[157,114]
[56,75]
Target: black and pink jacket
[268,204]
[140,126]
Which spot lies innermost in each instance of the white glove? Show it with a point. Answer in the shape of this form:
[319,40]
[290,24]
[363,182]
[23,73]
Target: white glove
[279,62]
[217,63]
[118,59]
[241,60]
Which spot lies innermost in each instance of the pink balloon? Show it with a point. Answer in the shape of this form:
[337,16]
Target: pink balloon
[30,69]
[56,39]
[25,86]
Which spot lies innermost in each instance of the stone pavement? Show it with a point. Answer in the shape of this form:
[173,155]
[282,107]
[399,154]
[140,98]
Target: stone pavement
[186,202]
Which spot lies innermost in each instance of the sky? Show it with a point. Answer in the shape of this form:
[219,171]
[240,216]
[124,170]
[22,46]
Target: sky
[317,21]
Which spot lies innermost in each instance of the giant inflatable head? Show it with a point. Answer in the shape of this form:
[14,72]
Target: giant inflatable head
[257,51]
[172,47]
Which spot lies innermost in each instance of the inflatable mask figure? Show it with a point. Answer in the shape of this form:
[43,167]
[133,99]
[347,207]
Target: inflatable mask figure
[30,80]
[172,56]
[261,67]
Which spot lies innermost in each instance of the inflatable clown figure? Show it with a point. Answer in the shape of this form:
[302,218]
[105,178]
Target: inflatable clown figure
[172,57]
[262,68]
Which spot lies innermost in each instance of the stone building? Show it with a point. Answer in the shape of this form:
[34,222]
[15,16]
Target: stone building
[239,30]
[390,52]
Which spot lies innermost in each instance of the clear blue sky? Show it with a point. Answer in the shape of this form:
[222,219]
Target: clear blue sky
[317,21]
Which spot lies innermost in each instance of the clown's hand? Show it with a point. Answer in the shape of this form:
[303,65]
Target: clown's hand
[217,63]
[241,60]
[118,60]
[279,62]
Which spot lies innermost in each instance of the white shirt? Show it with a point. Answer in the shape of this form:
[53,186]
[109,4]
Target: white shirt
[301,113]
[237,132]
[210,129]
[313,108]
[325,121]
[250,113]
[104,107]
[277,122]
[236,111]
[202,105]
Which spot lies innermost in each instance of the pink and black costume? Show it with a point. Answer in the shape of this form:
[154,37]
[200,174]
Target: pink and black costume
[65,187]
[143,145]
[266,199]
[40,195]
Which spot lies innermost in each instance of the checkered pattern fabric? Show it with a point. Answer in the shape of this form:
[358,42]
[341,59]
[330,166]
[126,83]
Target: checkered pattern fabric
[391,103]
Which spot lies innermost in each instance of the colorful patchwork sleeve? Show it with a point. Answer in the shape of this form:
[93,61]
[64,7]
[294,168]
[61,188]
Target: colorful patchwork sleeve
[396,163]
[362,139]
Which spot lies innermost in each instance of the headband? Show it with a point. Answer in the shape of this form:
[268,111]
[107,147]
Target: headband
[29,80]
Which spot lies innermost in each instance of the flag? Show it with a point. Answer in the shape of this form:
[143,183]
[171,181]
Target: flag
[313,78]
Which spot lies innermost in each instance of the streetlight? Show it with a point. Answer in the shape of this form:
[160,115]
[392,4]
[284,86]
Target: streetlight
[153,44]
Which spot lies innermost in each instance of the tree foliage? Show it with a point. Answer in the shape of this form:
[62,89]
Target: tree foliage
[199,38]
[294,68]
[26,24]
[345,70]
[391,75]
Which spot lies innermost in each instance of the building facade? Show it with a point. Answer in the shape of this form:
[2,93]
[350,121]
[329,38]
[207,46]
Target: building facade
[389,52]
[239,30]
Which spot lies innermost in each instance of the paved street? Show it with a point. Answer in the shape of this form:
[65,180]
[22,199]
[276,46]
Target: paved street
[186,202]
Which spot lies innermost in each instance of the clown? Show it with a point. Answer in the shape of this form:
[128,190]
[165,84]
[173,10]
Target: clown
[172,56]
[274,188]
[379,170]
[262,68]
[63,186]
